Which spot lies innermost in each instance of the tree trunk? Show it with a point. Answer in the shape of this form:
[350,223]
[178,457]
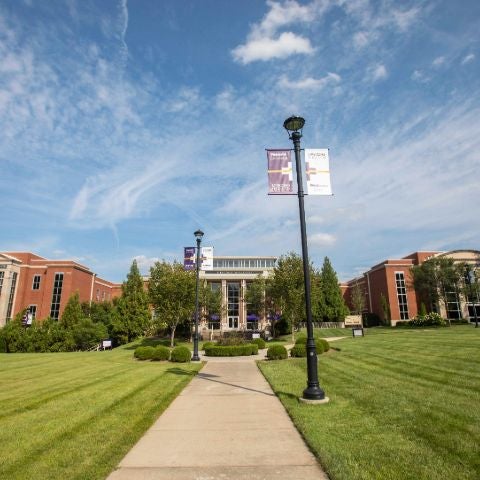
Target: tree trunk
[172,337]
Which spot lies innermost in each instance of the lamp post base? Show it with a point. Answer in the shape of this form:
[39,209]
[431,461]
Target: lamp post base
[195,358]
[313,392]
[314,402]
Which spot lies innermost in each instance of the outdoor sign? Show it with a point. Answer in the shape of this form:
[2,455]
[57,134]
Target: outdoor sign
[189,258]
[351,320]
[207,258]
[280,181]
[318,171]
[27,319]
[357,331]
[106,344]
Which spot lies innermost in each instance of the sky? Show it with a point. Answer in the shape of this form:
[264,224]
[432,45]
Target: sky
[125,125]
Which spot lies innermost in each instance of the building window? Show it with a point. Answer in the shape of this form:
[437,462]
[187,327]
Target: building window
[33,310]
[233,302]
[56,296]
[453,305]
[36,282]
[12,295]
[401,295]
[2,276]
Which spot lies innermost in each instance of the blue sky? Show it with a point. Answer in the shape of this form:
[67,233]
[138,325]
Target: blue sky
[127,125]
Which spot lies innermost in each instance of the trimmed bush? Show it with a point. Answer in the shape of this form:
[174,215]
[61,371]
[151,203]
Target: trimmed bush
[161,353]
[144,353]
[298,350]
[207,344]
[324,343]
[277,352]
[231,350]
[259,341]
[300,347]
[431,319]
[180,355]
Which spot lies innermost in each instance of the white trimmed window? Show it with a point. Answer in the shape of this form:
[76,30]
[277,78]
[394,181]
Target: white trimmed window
[401,295]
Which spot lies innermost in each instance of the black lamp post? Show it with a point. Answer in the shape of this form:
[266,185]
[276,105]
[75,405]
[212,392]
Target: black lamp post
[198,235]
[294,126]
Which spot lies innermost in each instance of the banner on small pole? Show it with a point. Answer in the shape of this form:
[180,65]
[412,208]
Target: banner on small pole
[189,258]
[280,181]
[206,258]
[318,171]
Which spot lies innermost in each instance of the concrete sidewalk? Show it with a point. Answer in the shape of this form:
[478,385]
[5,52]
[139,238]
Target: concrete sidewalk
[227,424]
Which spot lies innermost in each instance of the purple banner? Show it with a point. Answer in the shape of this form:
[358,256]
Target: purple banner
[279,172]
[189,258]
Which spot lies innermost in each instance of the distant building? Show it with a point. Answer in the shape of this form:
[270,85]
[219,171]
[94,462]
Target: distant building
[388,286]
[232,275]
[44,286]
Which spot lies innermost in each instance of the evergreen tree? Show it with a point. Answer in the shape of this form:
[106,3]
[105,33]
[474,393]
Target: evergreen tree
[73,313]
[132,318]
[334,308]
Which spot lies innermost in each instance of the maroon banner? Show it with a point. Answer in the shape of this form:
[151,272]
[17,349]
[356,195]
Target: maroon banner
[189,258]
[279,172]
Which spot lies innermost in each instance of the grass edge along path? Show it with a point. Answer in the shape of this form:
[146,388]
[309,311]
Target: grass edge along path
[76,415]
[404,405]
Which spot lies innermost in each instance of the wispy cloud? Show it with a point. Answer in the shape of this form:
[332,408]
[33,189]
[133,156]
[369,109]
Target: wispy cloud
[468,58]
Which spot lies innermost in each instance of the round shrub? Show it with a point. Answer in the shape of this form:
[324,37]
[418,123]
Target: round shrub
[231,350]
[301,340]
[298,350]
[144,353]
[259,341]
[207,344]
[180,355]
[277,352]
[161,353]
[324,343]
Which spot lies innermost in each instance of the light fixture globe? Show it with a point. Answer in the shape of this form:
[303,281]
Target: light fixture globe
[198,234]
[294,123]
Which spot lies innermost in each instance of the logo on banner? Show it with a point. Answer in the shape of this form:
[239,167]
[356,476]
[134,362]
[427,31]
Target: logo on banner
[318,171]
[280,181]
[189,258]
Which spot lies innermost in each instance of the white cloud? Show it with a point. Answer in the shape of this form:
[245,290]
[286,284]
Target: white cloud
[419,76]
[468,58]
[310,83]
[322,239]
[377,72]
[265,48]
[438,62]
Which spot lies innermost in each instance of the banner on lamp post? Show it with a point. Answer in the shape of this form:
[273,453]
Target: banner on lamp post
[206,258]
[318,171]
[189,258]
[280,181]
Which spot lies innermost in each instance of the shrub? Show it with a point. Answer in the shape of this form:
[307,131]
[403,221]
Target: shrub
[371,320]
[282,327]
[144,353]
[161,353]
[180,355]
[277,352]
[300,347]
[298,350]
[259,341]
[231,350]
[3,343]
[325,344]
[235,338]
[207,344]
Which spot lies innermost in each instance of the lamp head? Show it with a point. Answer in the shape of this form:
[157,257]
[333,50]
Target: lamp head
[294,124]
[198,234]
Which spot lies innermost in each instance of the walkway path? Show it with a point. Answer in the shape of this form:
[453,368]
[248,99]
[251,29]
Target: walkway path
[227,424]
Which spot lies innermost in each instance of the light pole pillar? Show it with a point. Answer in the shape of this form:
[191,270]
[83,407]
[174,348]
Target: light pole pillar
[198,235]
[313,390]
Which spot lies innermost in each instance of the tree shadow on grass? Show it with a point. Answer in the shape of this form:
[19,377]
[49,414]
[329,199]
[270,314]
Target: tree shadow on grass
[179,371]
[149,342]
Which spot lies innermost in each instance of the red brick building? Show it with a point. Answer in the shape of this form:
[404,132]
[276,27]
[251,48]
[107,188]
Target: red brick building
[387,287]
[44,286]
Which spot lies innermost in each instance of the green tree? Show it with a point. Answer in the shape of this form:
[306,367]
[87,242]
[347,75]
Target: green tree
[73,313]
[358,299]
[387,315]
[132,317]
[210,301]
[334,308]
[172,293]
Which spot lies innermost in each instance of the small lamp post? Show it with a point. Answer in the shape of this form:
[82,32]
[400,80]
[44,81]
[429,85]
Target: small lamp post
[294,126]
[198,235]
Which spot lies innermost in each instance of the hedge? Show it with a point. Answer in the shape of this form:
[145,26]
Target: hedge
[231,350]
[300,347]
[277,352]
[180,355]
[259,341]
[144,353]
[161,353]
[207,344]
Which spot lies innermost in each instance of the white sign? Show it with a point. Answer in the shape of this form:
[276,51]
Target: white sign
[207,258]
[106,343]
[353,320]
[318,171]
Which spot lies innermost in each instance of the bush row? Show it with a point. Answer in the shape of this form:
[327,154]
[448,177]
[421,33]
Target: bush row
[231,350]
[429,320]
[160,352]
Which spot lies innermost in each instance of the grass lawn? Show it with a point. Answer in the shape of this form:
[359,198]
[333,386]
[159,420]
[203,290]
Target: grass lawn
[403,404]
[76,415]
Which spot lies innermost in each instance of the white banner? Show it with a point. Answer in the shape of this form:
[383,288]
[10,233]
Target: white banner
[206,258]
[318,171]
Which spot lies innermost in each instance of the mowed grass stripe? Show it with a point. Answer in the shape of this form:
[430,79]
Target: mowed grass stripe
[85,431]
[383,423]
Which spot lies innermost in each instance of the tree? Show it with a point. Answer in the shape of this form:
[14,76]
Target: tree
[358,299]
[172,293]
[210,302]
[132,318]
[334,309]
[73,313]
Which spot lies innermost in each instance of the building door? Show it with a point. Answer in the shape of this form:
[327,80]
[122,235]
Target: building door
[233,303]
